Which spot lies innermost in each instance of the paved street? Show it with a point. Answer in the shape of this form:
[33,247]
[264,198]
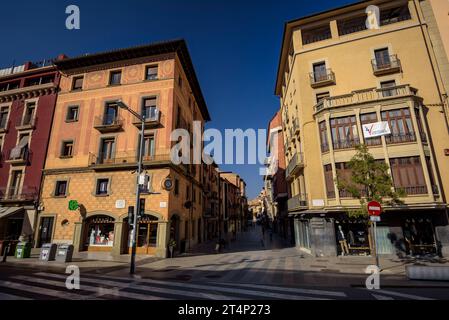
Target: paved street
[248,269]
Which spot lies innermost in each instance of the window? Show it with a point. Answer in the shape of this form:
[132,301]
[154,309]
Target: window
[344,174]
[148,147]
[110,113]
[320,96]
[72,113]
[393,15]
[344,132]
[420,126]
[14,186]
[77,83]
[67,149]
[351,25]
[401,126]
[368,118]
[316,34]
[388,88]
[149,108]
[329,179]
[176,187]
[61,188]
[9,86]
[28,117]
[323,135]
[115,78]
[319,72]
[38,81]
[408,175]
[151,73]
[4,111]
[102,187]
[107,150]
[382,57]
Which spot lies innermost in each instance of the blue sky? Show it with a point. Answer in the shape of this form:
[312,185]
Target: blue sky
[234,46]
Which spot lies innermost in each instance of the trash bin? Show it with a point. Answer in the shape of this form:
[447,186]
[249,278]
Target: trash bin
[23,250]
[48,252]
[64,253]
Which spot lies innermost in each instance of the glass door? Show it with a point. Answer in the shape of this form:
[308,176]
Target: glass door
[45,230]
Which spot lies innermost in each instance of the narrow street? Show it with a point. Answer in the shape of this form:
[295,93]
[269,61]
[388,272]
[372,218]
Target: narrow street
[248,269]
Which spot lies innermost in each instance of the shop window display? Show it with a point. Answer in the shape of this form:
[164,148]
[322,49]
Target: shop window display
[100,232]
[419,236]
[353,237]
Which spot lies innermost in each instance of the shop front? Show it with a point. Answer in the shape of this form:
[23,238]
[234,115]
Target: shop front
[353,236]
[99,233]
[147,235]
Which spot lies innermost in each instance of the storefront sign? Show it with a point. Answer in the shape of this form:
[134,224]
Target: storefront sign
[376,129]
[374,208]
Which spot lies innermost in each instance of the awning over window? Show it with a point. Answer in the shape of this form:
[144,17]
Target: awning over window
[9,211]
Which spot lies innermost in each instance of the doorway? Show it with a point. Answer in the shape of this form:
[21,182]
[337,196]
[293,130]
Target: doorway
[45,231]
[146,243]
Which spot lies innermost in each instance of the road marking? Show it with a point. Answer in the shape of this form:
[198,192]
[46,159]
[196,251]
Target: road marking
[286,289]
[41,290]
[134,285]
[98,291]
[222,289]
[403,295]
[380,297]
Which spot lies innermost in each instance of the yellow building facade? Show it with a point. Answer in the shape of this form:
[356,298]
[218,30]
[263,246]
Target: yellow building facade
[337,75]
[93,152]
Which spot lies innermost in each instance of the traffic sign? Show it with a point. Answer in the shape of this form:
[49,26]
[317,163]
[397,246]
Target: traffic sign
[374,218]
[73,205]
[374,208]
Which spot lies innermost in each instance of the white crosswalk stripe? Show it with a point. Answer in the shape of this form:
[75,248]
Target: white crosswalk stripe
[402,295]
[123,285]
[291,290]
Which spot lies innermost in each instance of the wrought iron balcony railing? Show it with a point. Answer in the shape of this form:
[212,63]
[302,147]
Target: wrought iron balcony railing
[26,123]
[319,79]
[400,138]
[346,143]
[108,123]
[390,64]
[295,163]
[12,194]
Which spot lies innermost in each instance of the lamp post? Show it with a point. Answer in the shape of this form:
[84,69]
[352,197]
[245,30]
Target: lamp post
[122,105]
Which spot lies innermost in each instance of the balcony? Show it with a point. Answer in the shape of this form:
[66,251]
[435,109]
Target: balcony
[324,147]
[16,195]
[400,138]
[366,96]
[26,123]
[412,191]
[125,160]
[322,79]
[108,123]
[315,35]
[345,144]
[297,202]
[22,158]
[386,66]
[295,164]
[151,122]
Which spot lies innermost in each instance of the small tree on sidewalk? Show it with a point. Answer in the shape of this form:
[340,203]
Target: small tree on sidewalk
[369,181]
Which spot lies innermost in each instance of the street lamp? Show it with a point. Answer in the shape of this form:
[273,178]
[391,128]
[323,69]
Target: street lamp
[122,105]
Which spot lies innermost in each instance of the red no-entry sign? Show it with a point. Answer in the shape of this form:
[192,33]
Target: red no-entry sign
[374,208]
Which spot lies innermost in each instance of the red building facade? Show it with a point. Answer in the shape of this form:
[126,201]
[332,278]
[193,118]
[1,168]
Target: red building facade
[27,100]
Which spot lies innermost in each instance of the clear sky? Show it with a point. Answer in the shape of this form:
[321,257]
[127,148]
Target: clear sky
[234,45]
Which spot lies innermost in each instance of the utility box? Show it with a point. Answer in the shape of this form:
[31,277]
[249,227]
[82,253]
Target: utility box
[64,253]
[48,252]
[23,250]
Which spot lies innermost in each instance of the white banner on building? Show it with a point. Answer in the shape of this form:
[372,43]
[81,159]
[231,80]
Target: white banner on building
[376,129]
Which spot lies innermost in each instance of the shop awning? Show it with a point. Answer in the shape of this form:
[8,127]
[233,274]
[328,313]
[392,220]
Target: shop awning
[8,211]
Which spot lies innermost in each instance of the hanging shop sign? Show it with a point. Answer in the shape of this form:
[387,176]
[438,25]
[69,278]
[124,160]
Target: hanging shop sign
[376,129]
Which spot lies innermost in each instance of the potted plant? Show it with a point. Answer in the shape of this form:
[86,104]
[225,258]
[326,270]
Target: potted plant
[171,246]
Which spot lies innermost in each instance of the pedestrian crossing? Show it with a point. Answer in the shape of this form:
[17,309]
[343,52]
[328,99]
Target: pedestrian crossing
[46,285]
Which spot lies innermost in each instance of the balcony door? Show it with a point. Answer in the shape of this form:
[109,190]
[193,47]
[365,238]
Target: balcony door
[382,58]
[29,113]
[148,147]
[3,117]
[107,150]
[319,71]
[149,109]
[110,113]
[14,186]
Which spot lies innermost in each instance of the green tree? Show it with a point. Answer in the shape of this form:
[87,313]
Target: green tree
[369,181]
